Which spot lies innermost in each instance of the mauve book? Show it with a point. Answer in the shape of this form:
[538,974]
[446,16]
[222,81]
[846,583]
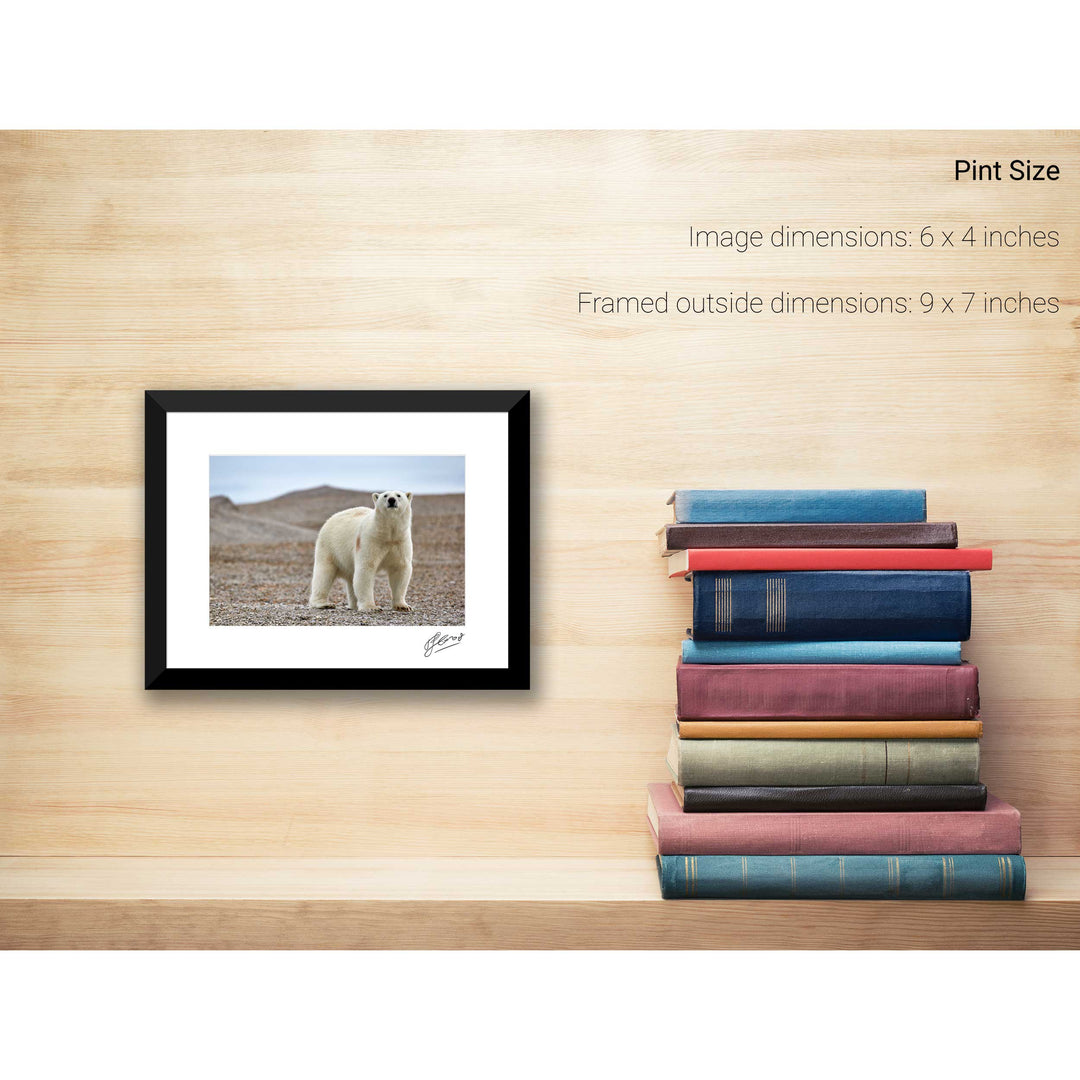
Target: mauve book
[993,831]
[827,691]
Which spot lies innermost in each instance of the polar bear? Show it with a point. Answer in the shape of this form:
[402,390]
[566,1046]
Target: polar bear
[355,544]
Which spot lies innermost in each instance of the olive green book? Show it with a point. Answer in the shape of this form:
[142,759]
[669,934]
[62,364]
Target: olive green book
[822,762]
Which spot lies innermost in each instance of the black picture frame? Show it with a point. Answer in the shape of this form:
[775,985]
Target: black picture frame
[515,403]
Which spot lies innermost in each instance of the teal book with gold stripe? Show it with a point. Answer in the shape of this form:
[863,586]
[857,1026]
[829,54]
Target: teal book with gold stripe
[842,877]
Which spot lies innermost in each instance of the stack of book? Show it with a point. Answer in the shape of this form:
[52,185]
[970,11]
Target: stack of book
[827,732]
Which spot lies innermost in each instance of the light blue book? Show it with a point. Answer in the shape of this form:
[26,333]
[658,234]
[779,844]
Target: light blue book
[782,506]
[820,652]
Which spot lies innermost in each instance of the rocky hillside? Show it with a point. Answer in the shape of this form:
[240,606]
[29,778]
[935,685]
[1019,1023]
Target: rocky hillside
[298,515]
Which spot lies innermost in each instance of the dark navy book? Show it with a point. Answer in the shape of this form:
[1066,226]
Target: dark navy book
[832,605]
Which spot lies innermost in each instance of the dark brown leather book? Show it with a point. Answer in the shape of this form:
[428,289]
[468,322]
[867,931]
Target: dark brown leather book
[680,537]
[841,798]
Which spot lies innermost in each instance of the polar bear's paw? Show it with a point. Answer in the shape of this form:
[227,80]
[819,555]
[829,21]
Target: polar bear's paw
[403,607]
[369,607]
[320,604]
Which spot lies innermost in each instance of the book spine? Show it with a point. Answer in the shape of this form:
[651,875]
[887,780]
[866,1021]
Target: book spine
[919,832]
[842,877]
[738,560]
[876,797]
[821,652]
[832,605]
[814,762]
[921,534]
[830,729]
[827,691]
[831,506]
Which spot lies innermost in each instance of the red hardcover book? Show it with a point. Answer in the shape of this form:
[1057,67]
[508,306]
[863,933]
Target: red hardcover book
[993,831]
[684,562]
[827,691]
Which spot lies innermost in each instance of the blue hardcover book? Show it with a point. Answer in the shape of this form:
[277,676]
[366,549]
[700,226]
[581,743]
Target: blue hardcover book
[821,652]
[842,877]
[833,605]
[798,507]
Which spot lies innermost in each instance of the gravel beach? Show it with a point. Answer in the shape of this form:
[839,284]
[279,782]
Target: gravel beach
[261,558]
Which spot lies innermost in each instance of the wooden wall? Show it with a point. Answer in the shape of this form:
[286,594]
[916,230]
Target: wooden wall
[304,260]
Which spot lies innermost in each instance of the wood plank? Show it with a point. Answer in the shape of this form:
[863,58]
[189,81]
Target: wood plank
[320,259]
[495,879]
[480,903]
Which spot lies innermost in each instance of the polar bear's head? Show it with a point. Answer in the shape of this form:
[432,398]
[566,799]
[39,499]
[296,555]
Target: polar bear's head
[391,502]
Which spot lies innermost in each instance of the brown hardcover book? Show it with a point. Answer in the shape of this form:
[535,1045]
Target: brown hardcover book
[830,729]
[680,537]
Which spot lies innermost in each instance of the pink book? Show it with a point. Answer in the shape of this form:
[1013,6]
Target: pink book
[993,831]
[827,691]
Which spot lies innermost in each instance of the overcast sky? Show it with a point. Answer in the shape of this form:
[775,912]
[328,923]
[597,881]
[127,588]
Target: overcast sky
[252,479]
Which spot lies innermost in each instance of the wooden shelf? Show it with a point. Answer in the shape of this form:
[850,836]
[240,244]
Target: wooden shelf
[327,903]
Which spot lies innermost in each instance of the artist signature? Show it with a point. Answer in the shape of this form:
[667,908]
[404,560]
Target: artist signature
[438,642]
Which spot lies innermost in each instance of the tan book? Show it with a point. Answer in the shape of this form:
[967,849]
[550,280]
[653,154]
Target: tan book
[830,729]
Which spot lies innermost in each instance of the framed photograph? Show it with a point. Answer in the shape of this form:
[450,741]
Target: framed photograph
[337,539]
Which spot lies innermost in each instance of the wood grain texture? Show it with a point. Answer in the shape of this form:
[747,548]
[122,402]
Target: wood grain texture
[156,903]
[306,260]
